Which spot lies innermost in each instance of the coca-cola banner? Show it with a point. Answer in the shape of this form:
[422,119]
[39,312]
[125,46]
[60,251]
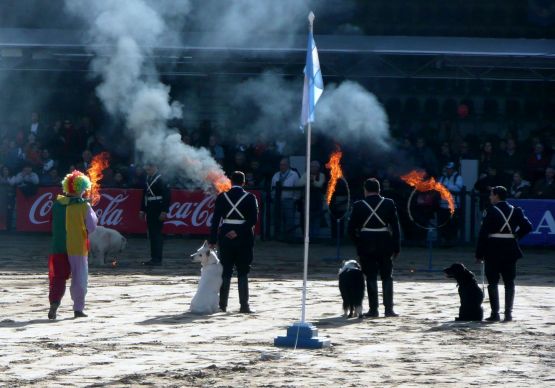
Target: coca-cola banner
[190,212]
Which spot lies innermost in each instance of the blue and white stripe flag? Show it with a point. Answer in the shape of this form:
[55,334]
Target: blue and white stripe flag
[313,82]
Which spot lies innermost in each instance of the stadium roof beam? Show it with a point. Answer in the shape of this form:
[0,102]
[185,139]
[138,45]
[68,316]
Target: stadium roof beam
[342,56]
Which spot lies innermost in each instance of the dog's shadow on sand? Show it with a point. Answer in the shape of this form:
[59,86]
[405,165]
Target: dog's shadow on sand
[8,323]
[336,321]
[178,319]
[459,325]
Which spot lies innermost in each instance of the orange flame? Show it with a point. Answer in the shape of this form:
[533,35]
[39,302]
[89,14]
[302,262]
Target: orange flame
[99,163]
[416,180]
[335,173]
[220,182]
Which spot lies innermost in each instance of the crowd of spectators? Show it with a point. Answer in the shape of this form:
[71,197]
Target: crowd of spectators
[40,154]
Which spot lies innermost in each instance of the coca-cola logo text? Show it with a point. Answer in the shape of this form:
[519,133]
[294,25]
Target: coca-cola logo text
[200,213]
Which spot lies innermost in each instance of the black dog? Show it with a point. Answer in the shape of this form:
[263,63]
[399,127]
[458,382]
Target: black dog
[351,286]
[470,293]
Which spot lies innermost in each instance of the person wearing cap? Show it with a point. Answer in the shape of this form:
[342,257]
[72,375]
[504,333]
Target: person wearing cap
[233,222]
[502,226]
[453,181]
[154,207]
[73,219]
[374,228]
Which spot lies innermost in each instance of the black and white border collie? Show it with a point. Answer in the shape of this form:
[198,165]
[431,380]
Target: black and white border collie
[351,286]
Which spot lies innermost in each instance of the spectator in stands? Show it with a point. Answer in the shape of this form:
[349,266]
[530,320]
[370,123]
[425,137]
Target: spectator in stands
[15,157]
[4,175]
[32,152]
[46,162]
[519,187]
[445,154]
[424,157]
[52,178]
[537,163]
[453,181]
[317,182]
[137,177]
[216,149]
[511,160]
[285,178]
[485,183]
[26,180]
[36,128]
[119,180]
[256,174]
[487,159]
[98,143]
[239,163]
[545,188]
[85,163]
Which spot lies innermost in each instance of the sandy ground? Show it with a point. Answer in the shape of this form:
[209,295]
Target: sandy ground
[139,333]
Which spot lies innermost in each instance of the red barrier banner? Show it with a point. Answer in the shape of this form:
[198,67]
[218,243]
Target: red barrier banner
[190,211]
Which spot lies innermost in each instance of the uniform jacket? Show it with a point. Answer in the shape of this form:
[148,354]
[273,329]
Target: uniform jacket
[159,189]
[380,242]
[490,248]
[248,207]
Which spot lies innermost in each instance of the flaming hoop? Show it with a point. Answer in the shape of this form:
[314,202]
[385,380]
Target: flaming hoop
[99,163]
[416,179]
[335,172]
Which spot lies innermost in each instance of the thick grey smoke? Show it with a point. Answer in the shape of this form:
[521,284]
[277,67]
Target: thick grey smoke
[123,35]
[271,103]
[251,21]
[347,112]
[352,114]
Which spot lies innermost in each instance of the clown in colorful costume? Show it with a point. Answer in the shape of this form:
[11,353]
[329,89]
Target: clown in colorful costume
[72,221]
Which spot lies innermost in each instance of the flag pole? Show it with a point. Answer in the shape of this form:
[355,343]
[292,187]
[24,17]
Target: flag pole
[303,334]
[306,221]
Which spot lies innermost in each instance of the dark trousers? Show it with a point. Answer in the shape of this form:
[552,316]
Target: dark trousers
[371,265]
[235,253]
[495,268]
[155,235]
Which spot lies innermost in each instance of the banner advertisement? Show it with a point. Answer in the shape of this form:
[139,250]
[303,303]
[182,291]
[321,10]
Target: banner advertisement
[190,212]
[541,214]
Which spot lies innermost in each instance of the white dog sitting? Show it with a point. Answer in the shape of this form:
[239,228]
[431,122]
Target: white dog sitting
[104,243]
[206,300]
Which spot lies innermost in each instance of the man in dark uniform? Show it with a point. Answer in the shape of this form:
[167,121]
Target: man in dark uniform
[155,204]
[238,212]
[374,228]
[503,225]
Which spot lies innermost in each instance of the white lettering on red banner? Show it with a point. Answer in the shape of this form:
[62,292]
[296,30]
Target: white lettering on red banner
[189,212]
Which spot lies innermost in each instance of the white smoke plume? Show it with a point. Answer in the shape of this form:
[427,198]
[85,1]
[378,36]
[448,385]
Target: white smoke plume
[346,112]
[352,114]
[123,34]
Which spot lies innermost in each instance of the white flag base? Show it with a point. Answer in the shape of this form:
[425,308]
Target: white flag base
[302,335]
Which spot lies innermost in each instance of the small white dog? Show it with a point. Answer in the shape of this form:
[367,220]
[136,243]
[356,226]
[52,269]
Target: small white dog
[206,300]
[104,243]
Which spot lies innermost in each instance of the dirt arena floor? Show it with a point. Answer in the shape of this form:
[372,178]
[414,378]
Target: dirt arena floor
[139,333]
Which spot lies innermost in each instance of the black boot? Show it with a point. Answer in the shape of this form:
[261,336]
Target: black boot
[494,303]
[372,288]
[243,285]
[224,293]
[509,299]
[79,314]
[53,308]
[387,288]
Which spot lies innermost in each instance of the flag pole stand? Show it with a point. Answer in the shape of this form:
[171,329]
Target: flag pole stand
[303,334]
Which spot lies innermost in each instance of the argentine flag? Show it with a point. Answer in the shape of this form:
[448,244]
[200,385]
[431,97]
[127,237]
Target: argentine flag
[313,82]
